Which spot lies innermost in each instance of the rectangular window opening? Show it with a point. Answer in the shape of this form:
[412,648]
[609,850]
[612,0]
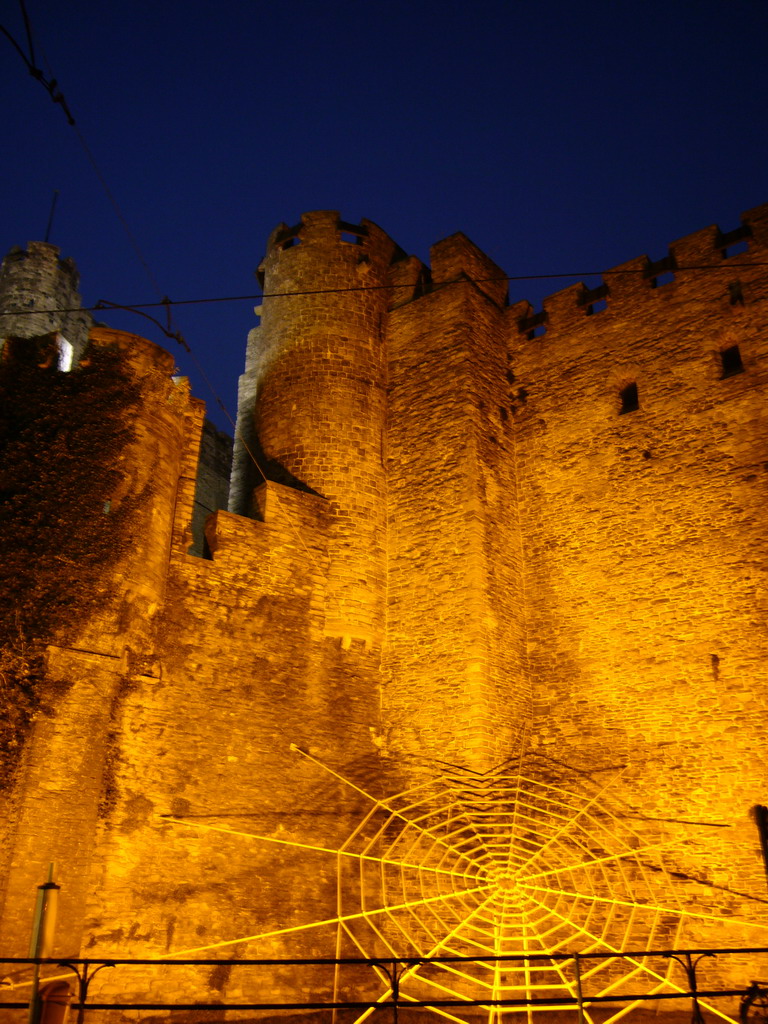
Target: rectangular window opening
[597,307]
[629,398]
[537,332]
[730,359]
[352,239]
[290,242]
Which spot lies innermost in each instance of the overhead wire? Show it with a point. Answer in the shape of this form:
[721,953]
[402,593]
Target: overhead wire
[51,86]
[164,302]
[102,304]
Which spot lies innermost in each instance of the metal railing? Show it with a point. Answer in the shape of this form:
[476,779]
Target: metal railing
[753,995]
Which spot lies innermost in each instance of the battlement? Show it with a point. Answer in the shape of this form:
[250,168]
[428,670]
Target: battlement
[453,259]
[710,257]
[44,254]
[458,255]
[38,295]
[459,563]
[324,230]
[317,227]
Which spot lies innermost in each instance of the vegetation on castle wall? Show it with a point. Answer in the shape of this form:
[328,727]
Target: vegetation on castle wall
[62,436]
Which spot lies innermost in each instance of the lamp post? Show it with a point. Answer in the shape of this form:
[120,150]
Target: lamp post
[43,927]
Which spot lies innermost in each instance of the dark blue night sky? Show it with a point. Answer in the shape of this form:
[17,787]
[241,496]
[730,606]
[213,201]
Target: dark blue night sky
[561,137]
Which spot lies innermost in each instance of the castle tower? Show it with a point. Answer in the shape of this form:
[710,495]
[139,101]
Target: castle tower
[92,657]
[556,756]
[456,686]
[38,295]
[311,409]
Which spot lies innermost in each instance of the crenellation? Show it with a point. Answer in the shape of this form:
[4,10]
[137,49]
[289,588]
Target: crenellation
[409,279]
[38,295]
[757,221]
[457,255]
[468,543]
[698,249]
[565,309]
[641,278]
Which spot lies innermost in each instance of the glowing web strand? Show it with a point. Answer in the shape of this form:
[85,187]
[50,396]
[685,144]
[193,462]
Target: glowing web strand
[330,920]
[311,846]
[432,952]
[640,906]
[633,960]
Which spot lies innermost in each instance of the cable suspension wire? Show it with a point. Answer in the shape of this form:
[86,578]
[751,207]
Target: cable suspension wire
[103,304]
[169,330]
[50,84]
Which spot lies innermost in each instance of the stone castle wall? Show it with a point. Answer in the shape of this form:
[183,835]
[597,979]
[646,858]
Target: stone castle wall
[645,543]
[455,650]
[457,547]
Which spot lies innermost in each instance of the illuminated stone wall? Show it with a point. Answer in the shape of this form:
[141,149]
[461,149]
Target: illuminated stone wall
[463,549]
[645,540]
[315,378]
[67,785]
[456,688]
[213,476]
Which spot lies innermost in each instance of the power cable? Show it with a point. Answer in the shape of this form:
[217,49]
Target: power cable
[52,88]
[165,302]
[50,85]
[56,95]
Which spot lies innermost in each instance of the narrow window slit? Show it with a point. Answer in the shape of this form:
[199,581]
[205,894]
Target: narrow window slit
[630,400]
[66,354]
[730,359]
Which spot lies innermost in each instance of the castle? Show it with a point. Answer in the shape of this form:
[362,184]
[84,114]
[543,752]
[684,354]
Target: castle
[473,665]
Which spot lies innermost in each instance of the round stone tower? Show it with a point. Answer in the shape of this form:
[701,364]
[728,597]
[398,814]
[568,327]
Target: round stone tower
[312,399]
[35,286]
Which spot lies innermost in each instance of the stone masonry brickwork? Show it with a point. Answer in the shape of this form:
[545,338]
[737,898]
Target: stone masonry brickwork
[458,530]
[34,281]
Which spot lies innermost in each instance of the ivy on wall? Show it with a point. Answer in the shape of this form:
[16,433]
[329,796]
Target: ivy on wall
[62,436]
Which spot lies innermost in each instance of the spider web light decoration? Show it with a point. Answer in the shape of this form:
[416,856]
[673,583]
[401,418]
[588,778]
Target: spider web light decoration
[507,864]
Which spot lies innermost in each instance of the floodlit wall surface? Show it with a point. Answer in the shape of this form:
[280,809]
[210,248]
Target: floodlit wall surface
[475,663]
[645,540]
[455,650]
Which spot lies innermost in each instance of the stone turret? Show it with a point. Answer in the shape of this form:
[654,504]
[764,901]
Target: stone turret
[38,295]
[312,400]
